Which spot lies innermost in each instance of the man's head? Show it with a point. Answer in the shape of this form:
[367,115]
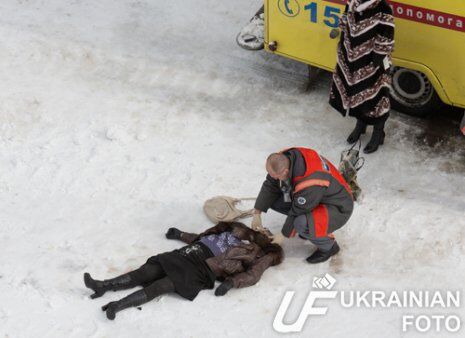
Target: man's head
[278,166]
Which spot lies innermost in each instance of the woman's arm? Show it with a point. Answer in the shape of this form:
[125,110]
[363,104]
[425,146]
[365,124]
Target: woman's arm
[247,278]
[188,238]
[384,40]
[217,229]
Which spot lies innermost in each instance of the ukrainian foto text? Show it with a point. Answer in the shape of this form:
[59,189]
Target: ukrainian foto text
[403,299]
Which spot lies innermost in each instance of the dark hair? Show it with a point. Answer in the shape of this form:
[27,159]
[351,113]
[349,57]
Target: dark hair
[277,252]
[260,239]
[264,242]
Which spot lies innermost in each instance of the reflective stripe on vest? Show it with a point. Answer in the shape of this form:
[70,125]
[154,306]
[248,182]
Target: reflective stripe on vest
[308,183]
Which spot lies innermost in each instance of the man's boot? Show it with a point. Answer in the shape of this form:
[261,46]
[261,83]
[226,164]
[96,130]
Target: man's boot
[322,256]
[377,139]
[100,287]
[134,299]
[360,128]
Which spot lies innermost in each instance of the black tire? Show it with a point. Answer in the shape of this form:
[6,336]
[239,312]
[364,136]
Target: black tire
[413,94]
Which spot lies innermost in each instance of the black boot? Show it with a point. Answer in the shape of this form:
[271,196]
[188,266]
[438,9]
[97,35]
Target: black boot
[134,299]
[100,287]
[322,256]
[377,139]
[360,128]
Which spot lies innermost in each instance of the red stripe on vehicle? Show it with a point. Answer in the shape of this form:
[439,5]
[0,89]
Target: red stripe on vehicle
[423,15]
[429,16]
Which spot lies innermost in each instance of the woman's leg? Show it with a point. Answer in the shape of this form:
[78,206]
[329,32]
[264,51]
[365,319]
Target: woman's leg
[157,288]
[377,138]
[147,273]
[101,286]
[360,128]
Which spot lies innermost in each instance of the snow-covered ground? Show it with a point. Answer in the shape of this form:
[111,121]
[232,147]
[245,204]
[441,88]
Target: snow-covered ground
[119,119]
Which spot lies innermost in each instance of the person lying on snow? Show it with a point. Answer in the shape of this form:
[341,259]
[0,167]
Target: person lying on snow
[229,252]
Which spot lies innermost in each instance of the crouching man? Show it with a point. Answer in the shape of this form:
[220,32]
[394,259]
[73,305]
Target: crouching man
[312,193]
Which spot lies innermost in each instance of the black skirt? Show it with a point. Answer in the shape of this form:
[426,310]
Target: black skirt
[187,269]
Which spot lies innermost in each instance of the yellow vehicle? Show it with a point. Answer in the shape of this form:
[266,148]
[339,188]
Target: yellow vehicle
[429,57]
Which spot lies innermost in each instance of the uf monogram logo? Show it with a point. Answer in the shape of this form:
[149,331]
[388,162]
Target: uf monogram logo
[327,282]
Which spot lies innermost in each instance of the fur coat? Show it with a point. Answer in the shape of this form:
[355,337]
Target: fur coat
[362,79]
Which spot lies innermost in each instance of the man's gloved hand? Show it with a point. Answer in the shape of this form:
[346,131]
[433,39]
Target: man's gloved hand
[224,288]
[257,222]
[173,233]
[278,239]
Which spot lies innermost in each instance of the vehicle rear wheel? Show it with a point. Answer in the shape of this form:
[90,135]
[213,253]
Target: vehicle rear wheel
[412,93]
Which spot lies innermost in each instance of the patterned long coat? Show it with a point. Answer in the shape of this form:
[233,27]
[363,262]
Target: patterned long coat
[362,78]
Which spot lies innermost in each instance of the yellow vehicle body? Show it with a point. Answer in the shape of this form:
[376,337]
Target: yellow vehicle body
[429,38]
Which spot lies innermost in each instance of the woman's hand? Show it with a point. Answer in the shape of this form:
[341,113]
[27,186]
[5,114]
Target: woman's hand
[278,239]
[224,288]
[173,233]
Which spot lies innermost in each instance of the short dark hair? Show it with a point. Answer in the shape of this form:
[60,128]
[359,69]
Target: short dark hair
[278,162]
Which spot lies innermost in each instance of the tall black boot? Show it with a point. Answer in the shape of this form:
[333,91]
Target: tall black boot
[377,138]
[100,287]
[360,128]
[134,299]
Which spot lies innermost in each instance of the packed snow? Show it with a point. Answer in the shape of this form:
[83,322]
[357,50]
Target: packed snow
[118,119]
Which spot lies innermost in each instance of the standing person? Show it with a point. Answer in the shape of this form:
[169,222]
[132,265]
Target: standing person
[219,252]
[312,193]
[362,78]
